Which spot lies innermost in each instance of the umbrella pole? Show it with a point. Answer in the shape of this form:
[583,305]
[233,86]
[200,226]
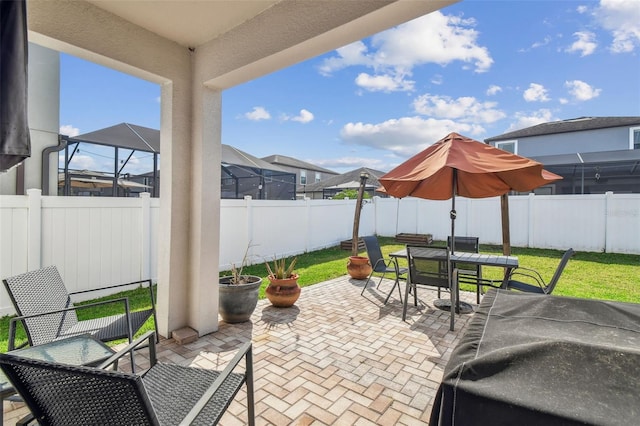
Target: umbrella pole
[453,283]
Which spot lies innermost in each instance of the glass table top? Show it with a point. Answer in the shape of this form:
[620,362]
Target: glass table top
[76,350]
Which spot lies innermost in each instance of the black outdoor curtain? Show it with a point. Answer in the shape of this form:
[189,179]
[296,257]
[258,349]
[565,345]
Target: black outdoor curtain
[15,143]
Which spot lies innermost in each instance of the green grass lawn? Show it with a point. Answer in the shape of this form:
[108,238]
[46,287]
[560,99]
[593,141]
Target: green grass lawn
[587,275]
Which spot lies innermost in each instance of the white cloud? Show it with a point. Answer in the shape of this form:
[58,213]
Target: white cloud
[404,136]
[69,130]
[582,9]
[585,43]
[349,163]
[395,52]
[524,120]
[622,19]
[465,109]
[493,90]
[384,83]
[257,114]
[563,101]
[437,79]
[304,116]
[535,93]
[581,91]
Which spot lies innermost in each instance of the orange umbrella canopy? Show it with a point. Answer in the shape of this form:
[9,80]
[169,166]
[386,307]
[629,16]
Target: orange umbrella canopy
[481,171]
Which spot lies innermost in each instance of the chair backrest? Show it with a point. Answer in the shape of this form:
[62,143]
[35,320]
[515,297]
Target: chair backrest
[466,244]
[375,253]
[60,394]
[556,276]
[429,272]
[41,291]
[469,245]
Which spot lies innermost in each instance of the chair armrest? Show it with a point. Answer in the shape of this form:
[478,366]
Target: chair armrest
[245,351]
[12,322]
[149,337]
[529,273]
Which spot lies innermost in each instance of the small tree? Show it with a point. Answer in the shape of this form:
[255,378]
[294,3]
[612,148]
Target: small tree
[351,194]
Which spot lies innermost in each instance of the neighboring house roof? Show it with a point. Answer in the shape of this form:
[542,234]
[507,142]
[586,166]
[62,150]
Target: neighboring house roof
[139,138]
[352,177]
[231,155]
[283,160]
[571,125]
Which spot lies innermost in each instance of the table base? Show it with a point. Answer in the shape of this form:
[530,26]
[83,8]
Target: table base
[445,305]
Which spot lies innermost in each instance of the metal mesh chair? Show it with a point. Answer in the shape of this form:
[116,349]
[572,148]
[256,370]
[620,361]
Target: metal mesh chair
[44,306]
[382,265]
[539,286]
[165,394]
[426,273]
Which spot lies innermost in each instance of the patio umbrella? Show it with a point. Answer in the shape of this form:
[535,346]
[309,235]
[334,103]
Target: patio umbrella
[15,142]
[458,165]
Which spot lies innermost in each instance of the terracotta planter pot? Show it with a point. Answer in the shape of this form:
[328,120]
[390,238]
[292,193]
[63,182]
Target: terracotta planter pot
[283,293]
[359,267]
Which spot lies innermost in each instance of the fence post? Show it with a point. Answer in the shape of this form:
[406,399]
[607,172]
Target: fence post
[530,219]
[249,207]
[34,229]
[607,222]
[145,235]
[307,239]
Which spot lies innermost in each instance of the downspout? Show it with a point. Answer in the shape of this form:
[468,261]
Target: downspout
[62,144]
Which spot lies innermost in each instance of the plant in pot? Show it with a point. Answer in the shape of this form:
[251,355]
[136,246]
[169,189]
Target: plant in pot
[283,289]
[238,294]
[358,267]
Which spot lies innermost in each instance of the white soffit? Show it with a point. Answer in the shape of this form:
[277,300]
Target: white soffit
[188,23]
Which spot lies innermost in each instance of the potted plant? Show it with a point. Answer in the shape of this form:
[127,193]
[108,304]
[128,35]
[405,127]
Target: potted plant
[283,289]
[238,294]
[358,267]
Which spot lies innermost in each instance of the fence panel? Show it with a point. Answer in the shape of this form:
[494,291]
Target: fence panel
[100,241]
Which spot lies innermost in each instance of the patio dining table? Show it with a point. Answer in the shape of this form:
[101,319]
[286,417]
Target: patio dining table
[507,262]
[530,359]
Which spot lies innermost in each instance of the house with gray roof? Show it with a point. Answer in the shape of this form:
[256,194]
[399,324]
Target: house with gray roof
[306,173]
[351,180]
[594,155]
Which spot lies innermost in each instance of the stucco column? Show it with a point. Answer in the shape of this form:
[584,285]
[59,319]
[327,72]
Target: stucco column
[205,210]
[175,199]
[189,229]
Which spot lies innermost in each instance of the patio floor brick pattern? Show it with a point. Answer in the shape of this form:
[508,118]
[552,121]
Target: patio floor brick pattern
[334,358]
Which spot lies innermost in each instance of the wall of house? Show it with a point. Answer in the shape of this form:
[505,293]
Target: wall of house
[44,112]
[611,139]
[100,241]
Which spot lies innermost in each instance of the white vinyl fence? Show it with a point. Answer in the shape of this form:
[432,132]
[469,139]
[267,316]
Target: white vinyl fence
[100,241]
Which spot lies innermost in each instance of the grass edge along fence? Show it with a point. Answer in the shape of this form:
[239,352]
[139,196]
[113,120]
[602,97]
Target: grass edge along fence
[607,276]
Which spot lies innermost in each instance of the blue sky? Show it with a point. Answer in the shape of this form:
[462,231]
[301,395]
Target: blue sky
[479,68]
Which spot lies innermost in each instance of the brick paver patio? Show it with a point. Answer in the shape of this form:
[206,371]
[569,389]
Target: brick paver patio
[336,357]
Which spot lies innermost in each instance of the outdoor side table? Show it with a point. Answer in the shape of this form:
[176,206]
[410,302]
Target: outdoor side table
[76,350]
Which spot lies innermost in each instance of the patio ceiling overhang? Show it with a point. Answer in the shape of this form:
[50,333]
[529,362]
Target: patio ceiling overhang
[194,50]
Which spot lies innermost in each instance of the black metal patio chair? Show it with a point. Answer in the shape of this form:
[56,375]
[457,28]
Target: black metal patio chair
[165,394]
[382,265]
[426,273]
[538,285]
[45,309]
